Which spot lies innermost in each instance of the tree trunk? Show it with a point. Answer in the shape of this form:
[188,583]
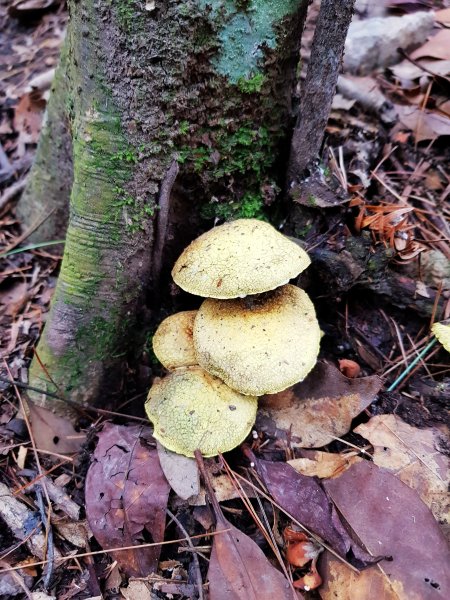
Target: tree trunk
[47,194]
[180,109]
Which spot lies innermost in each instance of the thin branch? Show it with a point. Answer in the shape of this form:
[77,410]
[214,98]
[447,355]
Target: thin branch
[320,84]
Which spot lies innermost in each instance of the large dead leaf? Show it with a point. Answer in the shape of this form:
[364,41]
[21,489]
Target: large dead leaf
[425,124]
[238,568]
[413,456]
[180,471]
[389,518]
[28,120]
[312,413]
[324,464]
[52,432]
[305,500]
[126,496]
[443,16]
[437,47]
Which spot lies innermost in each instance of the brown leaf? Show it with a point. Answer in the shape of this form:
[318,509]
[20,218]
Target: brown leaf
[181,472]
[54,433]
[324,464]
[238,569]
[27,120]
[305,500]
[443,16]
[389,518]
[13,298]
[126,496]
[437,47]
[413,456]
[425,124]
[312,413]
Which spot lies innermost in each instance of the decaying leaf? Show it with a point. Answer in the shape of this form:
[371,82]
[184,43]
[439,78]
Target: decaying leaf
[437,46]
[389,518]
[413,456]
[180,471]
[324,464]
[312,413]
[52,432]
[238,568]
[126,496]
[28,119]
[305,500]
[425,124]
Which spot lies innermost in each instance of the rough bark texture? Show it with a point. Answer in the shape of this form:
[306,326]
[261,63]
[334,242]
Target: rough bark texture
[50,181]
[320,83]
[206,83]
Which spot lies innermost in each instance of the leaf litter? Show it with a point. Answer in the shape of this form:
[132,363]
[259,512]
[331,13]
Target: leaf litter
[407,174]
[126,496]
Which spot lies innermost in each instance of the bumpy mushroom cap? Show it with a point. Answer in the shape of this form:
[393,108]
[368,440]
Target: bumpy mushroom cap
[237,259]
[192,410]
[442,333]
[172,342]
[260,349]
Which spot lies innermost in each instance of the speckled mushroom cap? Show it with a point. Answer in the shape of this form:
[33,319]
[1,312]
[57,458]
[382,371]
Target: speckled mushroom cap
[172,342]
[190,409]
[259,349]
[238,259]
[442,333]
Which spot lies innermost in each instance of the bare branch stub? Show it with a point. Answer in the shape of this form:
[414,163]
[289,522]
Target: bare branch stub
[319,86]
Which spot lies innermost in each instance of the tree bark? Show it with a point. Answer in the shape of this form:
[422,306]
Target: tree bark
[50,181]
[203,83]
[319,87]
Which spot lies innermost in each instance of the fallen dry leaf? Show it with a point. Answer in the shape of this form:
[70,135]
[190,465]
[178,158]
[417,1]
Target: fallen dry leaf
[324,464]
[316,411]
[126,494]
[389,518]
[238,568]
[181,472]
[443,16]
[137,590]
[413,456]
[45,423]
[305,500]
[437,47]
[13,298]
[425,124]
[221,484]
[28,120]
[408,71]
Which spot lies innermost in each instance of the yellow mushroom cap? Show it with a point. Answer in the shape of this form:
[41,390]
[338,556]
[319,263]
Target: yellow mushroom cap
[238,259]
[260,349]
[442,333]
[172,342]
[191,410]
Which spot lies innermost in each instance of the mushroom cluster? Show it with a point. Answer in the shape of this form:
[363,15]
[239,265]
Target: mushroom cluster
[254,334]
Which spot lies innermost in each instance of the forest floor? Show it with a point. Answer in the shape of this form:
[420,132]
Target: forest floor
[368,441]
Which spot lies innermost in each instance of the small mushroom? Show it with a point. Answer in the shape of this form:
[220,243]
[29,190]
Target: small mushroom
[172,342]
[442,333]
[191,410]
[238,259]
[261,348]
